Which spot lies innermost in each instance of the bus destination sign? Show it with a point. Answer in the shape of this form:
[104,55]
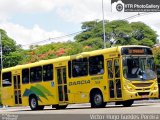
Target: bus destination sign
[136,51]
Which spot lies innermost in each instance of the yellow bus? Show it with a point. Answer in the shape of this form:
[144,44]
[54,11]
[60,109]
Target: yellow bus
[119,74]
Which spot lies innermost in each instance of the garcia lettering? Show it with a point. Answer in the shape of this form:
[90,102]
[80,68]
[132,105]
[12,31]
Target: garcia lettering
[79,82]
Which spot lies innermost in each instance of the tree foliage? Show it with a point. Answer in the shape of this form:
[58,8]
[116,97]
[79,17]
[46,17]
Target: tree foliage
[118,32]
[54,50]
[156,52]
[11,54]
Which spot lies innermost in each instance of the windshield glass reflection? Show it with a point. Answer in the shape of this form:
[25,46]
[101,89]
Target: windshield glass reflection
[138,68]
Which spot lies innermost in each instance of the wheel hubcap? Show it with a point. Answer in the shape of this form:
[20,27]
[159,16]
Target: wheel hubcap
[98,99]
[33,102]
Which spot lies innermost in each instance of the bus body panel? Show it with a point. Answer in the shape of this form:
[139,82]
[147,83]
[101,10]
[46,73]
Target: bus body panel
[7,96]
[80,88]
[45,91]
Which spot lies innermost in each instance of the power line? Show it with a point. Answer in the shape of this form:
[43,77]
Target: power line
[137,15]
[68,35]
[50,39]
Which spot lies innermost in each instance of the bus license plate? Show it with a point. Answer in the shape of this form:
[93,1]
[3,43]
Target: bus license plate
[144,96]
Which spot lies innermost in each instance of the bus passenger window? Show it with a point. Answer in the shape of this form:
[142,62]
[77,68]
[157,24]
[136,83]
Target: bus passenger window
[116,68]
[96,65]
[80,67]
[25,76]
[36,74]
[69,69]
[48,72]
[110,69]
[6,79]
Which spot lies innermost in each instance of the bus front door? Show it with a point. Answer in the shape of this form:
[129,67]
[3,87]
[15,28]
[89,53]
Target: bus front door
[113,68]
[17,90]
[62,85]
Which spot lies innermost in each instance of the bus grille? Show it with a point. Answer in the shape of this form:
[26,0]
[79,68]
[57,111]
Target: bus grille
[143,93]
[142,84]
[144,89]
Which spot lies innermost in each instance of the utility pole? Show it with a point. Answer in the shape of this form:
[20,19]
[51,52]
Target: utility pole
[1,52]
[104,34]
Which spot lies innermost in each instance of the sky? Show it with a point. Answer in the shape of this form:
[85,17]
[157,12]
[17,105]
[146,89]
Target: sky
[30,21]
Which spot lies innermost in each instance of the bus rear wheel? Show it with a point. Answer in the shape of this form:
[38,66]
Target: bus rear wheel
[33,103]
[127,103]
[97,100]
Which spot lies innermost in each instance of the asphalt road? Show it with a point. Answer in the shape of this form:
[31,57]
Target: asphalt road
[83,111]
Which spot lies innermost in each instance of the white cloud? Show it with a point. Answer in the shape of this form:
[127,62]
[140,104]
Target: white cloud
[82,10]
[76,11]
[11,7]
[26,5]
[70,10]
[26,36]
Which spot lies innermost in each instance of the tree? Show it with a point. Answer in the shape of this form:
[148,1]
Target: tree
[143,33]
[156,53]
[118,32]
[95,43]
[11,56]
[91,29]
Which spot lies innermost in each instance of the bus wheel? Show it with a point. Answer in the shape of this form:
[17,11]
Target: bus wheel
[127,103]
[97,100]
[58,107]
[33,103]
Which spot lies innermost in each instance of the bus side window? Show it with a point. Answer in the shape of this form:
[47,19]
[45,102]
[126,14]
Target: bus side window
[25,76]
[6,79]
[110,70]
[36,74]
[69,69]
[48,72]
[80,67]
[96,65]
[116,68]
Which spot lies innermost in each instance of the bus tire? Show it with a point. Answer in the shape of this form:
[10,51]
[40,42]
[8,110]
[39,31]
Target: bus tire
[58,107]
[97,100]
[33,103]
[127,103]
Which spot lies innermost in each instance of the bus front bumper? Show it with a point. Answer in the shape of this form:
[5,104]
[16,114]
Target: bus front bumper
[137,95]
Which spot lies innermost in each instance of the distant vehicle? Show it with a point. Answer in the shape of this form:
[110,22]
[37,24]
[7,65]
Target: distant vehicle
[120,74]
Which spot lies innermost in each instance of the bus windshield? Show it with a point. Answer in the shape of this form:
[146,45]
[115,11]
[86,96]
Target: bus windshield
[138,68]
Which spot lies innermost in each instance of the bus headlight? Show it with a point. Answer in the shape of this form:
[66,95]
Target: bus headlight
[155,88]
[129,88]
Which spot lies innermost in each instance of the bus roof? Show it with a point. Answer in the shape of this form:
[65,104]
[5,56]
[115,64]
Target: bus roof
[67,58]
